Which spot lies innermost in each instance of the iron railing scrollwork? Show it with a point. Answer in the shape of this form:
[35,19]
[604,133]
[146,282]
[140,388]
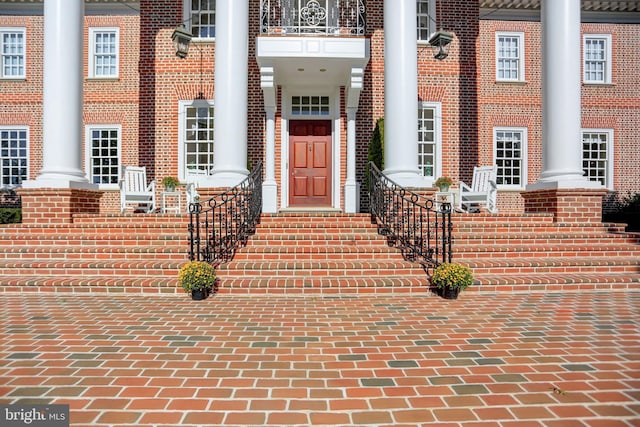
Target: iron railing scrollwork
[222,224]
[409,221]
[320,17]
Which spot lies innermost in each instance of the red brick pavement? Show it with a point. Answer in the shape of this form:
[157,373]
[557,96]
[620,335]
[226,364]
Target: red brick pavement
[509,360]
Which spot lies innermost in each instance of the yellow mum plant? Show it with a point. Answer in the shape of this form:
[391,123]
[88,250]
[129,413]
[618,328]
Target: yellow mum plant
[452,275]
[197,275]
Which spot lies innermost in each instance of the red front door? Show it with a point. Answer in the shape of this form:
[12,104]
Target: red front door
[310,163]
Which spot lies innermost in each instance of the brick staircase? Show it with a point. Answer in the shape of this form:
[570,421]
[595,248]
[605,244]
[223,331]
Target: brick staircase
[530,253]
[97,253]
[320,253]
[297,253]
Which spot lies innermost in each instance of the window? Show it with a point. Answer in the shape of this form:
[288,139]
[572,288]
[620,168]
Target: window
[14,156]
[103,154]
[510,148]
[596,156]
[103,55]
[196,136]
[597,59]
[429,122]
[426,19]
[310,106]
[510,57]
[12,53]
[201,15]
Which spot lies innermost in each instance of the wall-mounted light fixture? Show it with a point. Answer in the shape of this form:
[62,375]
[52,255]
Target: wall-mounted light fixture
[439,42]
[181,39]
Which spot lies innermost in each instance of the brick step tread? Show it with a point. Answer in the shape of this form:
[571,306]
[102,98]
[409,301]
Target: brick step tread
[338,283]
[70,228]
[139,218]
[554,287]
[371,263]
[90,264]
[489,238]
[526,234]
[556,278]
[324,249]
[98,238]
[561,261]
[545,249]
[107,251]
[136,283]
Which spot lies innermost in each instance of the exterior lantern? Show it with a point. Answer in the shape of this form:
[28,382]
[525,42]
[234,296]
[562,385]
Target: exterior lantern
[439,42]
[181,39]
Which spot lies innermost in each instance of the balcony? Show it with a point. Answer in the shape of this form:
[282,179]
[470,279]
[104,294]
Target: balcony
[313,17]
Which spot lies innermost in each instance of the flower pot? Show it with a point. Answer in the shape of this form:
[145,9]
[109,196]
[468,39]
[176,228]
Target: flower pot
[199,294]
[450,293]
[170,188]
[443,188]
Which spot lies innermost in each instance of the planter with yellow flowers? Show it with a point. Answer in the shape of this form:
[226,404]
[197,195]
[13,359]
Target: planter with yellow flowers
[197,278]
[451,278]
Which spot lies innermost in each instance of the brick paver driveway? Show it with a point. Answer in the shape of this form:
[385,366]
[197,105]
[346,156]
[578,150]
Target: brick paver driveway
[506,360]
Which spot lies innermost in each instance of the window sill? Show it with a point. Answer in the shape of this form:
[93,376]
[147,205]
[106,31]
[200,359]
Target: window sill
[512,82]
[589,84]
[103,79]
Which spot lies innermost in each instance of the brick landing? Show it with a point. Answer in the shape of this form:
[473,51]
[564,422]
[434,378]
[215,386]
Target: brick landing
[538,360]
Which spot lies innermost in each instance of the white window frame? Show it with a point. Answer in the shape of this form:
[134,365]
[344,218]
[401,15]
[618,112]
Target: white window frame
[437,143]
[523,158]
[520,69]
[182,130]
[23,65]
[93,32]
[188,19]
[609,160]
[607,74]
[431,20]
[28,156]
[88,138]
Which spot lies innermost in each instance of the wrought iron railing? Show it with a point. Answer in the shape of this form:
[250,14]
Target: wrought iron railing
[409,221]
[321,17]
[222,224]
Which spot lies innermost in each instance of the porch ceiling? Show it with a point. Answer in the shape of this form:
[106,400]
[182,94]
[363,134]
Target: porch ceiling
[312,61]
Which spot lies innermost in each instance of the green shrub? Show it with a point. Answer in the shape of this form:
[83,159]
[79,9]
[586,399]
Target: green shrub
[376,148]
[10,215]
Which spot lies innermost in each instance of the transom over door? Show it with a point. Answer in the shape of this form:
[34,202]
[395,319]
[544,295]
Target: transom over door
[310,163]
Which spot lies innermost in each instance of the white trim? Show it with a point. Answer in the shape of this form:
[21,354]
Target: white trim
[22,30]
[88,129]
[188,21]
[92,51]
[521,57]
[432,25]
[524,166]
[608,58]
[333,117]
[182,105]
[28,157]
[610,153]
[437,160]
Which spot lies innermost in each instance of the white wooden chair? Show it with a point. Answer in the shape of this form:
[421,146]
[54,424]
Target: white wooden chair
[483,191]
[135,191]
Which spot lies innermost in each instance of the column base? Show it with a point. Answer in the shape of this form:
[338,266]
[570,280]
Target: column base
[57,205]
[352,197]
[567,205]
[269,197]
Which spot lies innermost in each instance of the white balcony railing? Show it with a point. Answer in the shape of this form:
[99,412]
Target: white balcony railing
[308,17]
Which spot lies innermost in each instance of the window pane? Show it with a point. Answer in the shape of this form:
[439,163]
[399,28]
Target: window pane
[595,161]
[13,157]
[198,141]
[104,156]
[509,157]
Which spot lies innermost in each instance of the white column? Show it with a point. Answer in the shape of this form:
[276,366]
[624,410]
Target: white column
[62,97]
[231,79]
[351,187]
[269,186]
[561,97]
[401,93]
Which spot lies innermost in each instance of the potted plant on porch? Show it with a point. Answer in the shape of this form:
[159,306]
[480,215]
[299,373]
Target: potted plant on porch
[170,183]
[198,278]
[451,278]
[443,183]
